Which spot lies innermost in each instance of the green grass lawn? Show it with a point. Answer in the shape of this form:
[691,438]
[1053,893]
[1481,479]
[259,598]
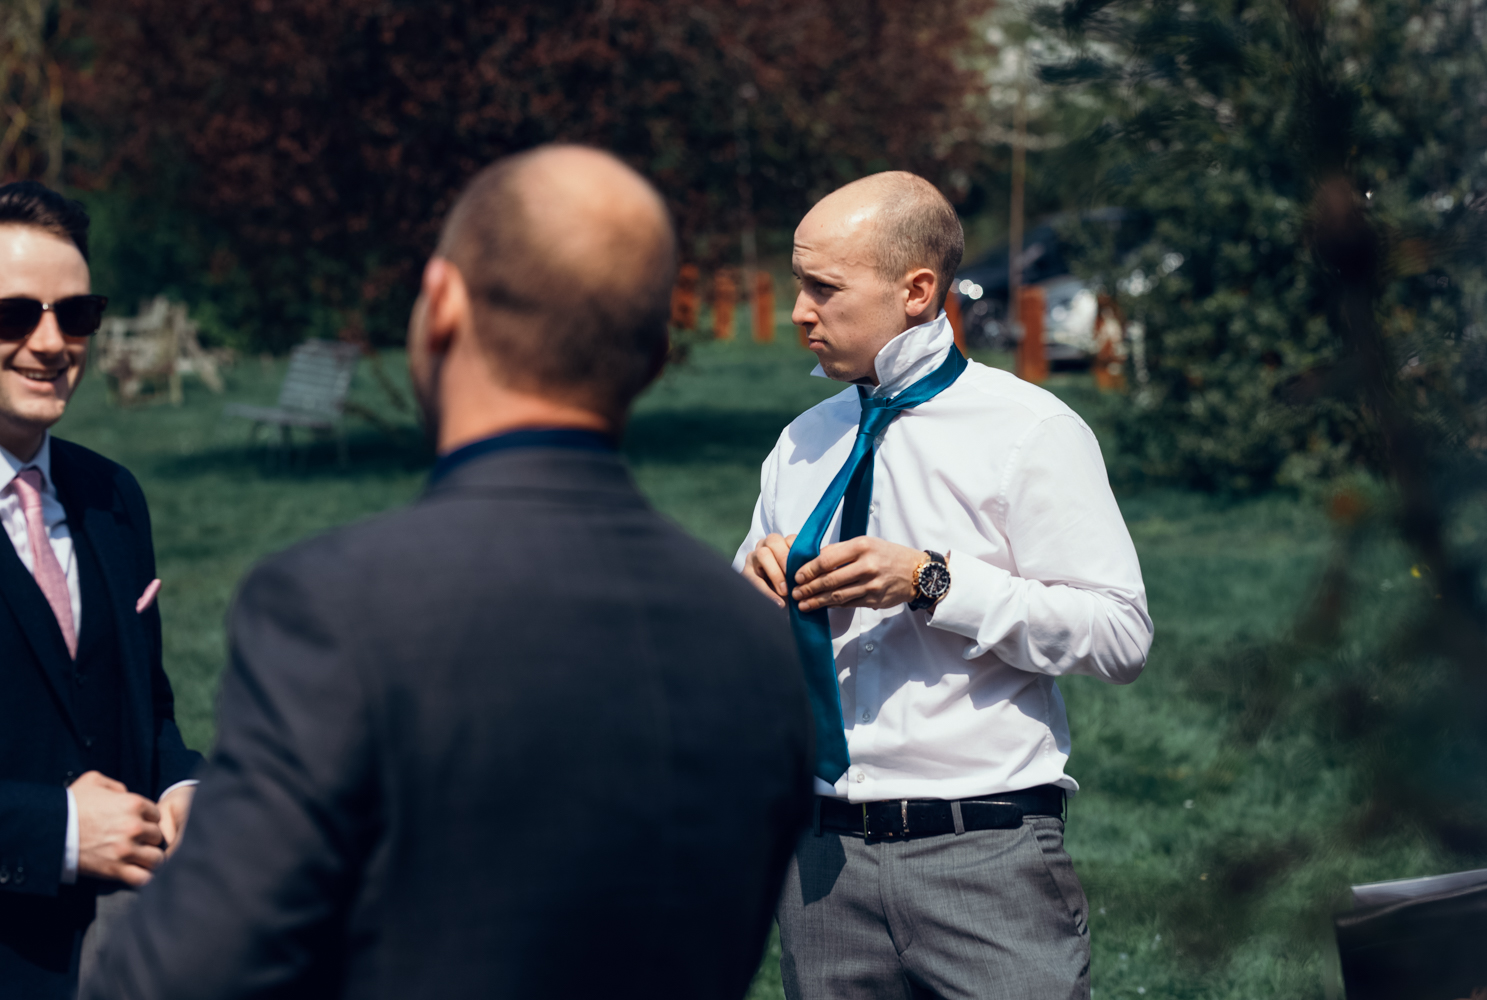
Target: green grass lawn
[1204,832]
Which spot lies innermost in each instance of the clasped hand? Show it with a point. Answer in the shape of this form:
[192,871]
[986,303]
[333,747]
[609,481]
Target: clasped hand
[861,572]
[123,836]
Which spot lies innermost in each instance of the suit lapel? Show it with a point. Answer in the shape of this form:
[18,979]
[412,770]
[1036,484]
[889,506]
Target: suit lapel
[95,511]
[38,623]
[115,553]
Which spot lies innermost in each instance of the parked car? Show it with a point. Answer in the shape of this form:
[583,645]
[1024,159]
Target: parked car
[1069,321]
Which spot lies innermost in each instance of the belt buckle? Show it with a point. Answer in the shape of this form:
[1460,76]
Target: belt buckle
[902,833]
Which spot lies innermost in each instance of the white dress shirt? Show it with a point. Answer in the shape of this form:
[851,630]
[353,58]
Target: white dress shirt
[1008,482]
[55,518]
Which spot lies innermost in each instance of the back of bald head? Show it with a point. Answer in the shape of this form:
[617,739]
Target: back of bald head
[569,258]
[916,227]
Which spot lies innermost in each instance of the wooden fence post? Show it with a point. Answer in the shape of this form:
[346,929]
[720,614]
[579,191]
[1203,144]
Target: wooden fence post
[725,299]
[1032,354]
[1110,346]
[952,312]
[684,298]
[763,308]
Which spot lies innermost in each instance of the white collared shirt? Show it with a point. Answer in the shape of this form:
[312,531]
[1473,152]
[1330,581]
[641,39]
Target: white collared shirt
[1009,482]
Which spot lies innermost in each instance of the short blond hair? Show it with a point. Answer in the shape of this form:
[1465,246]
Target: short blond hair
[919,228]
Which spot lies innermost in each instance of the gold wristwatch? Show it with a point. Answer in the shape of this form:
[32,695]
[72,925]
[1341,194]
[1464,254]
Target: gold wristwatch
[931,582]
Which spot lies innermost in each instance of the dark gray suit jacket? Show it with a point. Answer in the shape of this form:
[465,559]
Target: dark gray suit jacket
[522,739]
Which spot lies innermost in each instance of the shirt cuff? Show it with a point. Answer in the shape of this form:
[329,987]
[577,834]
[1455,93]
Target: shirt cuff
[71,847]
[975,587]
[180,784]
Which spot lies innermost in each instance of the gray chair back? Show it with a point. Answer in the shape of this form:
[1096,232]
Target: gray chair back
[319,377]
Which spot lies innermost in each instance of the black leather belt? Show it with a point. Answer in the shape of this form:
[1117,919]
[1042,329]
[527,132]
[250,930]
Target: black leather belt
[901,819]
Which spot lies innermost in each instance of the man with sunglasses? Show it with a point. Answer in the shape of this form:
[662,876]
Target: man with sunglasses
[94,776]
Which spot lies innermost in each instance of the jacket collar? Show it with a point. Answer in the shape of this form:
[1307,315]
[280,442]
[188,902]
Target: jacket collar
[561,438]
[569,471]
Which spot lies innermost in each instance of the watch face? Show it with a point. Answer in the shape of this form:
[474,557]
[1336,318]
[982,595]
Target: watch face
[934,580]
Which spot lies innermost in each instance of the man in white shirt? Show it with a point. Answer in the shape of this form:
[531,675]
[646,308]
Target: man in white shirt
[984,557]
[88,743]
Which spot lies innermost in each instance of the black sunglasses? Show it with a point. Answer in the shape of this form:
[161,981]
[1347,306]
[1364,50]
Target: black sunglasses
[77,315]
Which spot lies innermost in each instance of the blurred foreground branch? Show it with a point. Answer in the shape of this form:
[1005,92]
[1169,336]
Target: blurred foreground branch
[30,92]
[1313,280]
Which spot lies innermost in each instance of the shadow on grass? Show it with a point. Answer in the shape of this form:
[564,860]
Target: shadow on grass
[659,436]
[682,436]
[372,453]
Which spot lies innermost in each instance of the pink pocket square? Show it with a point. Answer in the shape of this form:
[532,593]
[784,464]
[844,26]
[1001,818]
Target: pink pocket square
[147,598]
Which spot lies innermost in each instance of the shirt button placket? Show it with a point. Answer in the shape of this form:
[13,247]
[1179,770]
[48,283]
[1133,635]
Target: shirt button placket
[867,679]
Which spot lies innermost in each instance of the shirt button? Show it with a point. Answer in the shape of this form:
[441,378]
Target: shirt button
[88,742]
[868,647]
[860,777]
[867,716]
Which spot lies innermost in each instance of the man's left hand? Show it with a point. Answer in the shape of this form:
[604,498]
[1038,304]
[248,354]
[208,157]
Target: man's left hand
[175,807]
[861,572]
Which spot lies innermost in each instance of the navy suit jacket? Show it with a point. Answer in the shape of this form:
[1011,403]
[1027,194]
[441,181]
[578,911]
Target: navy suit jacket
[40,743]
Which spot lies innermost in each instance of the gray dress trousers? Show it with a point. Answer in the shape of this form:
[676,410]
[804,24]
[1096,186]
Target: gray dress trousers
[983,915]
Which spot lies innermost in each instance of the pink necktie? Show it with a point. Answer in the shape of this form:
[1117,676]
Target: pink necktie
[45,568]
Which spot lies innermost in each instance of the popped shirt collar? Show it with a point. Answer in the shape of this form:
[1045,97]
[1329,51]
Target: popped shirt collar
[910,356]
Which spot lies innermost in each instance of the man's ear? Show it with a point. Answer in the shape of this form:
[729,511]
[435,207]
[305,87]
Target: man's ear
[446,303]
[921,286]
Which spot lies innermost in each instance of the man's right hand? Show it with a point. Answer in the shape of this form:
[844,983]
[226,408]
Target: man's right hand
[118,831]
[765,566]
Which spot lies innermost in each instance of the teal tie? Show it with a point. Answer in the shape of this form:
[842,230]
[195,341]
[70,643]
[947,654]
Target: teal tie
[853,489]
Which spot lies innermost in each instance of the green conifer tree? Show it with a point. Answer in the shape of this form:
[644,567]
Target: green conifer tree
[1213,131]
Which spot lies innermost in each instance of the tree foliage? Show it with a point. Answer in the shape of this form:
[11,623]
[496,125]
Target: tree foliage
[1319,171]
[1213,131]
[324,139]
[33,34]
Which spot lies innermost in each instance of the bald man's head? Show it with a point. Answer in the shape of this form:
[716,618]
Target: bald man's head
[913,225]
[569,258]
